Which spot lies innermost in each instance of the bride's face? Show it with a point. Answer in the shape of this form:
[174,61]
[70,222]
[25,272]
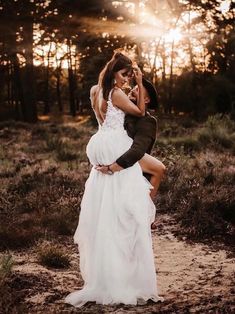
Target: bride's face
[122,77]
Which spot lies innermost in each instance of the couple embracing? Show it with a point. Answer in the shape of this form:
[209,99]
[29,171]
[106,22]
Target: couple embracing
[117,209]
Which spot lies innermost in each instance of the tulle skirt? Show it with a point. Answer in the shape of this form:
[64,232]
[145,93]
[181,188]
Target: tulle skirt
[113,233]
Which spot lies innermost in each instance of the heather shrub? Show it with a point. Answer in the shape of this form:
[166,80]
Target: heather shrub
[200,191]
[188,122]
[52,141]
[40,200]
[7,168]
[5,267]
[12,124]
[51,255]
[65,151]
[18,234]
[71,132]
[217,131]
[63,220]
[207,216]
[14,287]
[39,131]
[187,143]
[7,298]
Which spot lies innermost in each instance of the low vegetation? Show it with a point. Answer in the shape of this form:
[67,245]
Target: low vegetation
[52,255]
[44,167]
[200,183]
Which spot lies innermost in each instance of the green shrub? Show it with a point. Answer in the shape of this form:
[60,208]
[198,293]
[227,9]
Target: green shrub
[188,122]
[7,168]
[217,131]
[188,143]
[53,256]
[52,141]
[71,132]
[39,131]
[17,236]
[5,267]
[65,152]
[220,121]
[15,125]
[63,220]
[8,295]
[200,191]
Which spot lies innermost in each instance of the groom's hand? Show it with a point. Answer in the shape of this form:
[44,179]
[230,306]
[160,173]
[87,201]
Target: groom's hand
[109,169]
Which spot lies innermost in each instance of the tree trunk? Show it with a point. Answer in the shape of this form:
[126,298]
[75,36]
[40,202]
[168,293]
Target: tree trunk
[2,83]
[46,99]
[71,79]
[169,102]
[30,107]
[9,84]
[194,82]
[58,92]
[20,108]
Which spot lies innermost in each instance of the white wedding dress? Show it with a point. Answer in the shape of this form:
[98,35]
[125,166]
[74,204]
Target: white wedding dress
[113,234]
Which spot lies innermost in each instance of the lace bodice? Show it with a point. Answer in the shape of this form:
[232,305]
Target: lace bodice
[114,119]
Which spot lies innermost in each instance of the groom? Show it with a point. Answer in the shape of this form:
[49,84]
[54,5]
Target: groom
[143,132]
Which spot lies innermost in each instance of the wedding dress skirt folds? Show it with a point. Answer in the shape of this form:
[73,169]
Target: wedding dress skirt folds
[113,233]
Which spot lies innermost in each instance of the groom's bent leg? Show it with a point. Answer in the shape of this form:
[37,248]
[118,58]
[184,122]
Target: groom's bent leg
[156,169]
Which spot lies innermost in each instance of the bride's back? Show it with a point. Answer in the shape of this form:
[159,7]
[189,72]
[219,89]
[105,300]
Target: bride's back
[99,105]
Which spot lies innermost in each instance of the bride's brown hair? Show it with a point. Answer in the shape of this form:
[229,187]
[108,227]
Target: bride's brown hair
[106,78]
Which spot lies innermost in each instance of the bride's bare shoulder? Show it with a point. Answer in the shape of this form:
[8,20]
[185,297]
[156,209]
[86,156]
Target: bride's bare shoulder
[118,93]
[94,89]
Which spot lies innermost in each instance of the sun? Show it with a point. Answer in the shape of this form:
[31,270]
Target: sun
[174,35]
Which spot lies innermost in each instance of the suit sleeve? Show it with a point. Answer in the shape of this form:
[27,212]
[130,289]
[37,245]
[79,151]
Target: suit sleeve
[143,139]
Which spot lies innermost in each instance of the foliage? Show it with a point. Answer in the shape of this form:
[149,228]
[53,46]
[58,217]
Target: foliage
[199,185]
[206,81]
[41,194]
[218,131]
[5,267]
[53,256]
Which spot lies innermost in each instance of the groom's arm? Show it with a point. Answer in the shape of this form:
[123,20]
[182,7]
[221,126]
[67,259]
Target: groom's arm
[142,143]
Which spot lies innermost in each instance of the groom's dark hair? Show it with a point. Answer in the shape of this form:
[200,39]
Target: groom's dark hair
[106,78]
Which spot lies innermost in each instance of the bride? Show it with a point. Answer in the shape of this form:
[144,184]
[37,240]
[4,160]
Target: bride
[113,233]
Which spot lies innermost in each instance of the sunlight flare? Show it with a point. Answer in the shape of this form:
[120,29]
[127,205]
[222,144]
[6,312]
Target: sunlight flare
[173,35]
[225,6]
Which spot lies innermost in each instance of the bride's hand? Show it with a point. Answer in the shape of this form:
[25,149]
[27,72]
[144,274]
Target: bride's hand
[138,75]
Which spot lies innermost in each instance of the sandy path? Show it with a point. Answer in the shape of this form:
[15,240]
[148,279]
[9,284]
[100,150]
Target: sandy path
[193,278]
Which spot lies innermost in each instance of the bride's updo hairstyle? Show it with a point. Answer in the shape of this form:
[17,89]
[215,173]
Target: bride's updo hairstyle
[106,78]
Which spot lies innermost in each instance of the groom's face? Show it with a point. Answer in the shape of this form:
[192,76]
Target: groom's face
[134,94]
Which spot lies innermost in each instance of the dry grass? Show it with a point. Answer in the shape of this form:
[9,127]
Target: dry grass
[40,193]
[44,169]
[52,255]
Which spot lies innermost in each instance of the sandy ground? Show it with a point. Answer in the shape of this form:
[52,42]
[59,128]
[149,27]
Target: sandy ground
[193,278]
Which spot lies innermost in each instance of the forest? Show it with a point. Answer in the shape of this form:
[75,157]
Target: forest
[51,53]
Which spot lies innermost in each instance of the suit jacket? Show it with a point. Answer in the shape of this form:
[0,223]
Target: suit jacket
[143,132]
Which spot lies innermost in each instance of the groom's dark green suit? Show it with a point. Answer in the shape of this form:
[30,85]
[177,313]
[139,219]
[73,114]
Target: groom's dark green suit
[143,132]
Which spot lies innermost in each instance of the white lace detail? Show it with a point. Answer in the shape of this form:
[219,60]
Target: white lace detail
[114,119]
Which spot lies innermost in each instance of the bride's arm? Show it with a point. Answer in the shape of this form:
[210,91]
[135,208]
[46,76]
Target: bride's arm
[120,99]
